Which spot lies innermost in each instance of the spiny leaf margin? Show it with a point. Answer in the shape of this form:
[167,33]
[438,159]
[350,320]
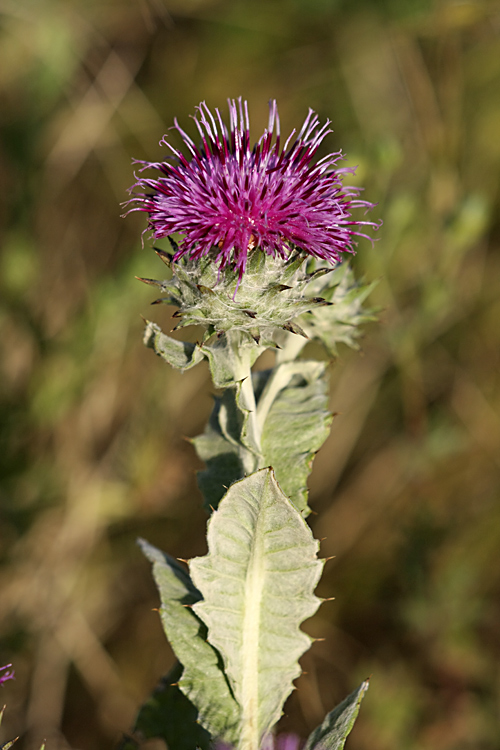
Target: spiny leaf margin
[257,583]
[203,680]
[292,409]
[179,354]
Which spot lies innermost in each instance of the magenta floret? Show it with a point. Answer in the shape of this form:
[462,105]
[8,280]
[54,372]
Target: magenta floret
[231,198]
[9,674]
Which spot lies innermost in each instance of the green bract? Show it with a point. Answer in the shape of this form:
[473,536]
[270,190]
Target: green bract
[301,296]
[271,295]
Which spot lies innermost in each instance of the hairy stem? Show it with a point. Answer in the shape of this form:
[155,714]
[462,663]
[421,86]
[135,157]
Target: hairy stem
[243,357]
[290,348]
[248,403]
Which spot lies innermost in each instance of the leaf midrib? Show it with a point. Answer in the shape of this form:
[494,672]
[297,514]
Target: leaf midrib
[254,587]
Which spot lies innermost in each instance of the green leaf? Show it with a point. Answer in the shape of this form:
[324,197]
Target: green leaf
[222,448]
[230,357]
[333,732]
[179,354]
[170,715]
[293,412]
[203,680]
[293,423]
[257,582]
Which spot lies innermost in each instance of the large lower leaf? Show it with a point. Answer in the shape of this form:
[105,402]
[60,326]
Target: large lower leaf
[203,680]
[333,732]
[292,409]
[257,582]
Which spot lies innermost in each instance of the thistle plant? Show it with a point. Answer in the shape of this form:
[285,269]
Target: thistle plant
[258,262]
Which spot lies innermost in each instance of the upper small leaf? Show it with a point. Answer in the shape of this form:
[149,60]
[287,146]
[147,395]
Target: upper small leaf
[222,447]
[230,356]
[293,422]
[293,411]
[179,354]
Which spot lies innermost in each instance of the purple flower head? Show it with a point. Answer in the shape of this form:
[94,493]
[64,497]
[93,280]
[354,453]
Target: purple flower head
[229,198]
[9,675]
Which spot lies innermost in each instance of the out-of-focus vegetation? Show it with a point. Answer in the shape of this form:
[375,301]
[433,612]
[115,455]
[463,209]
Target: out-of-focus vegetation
[93,450]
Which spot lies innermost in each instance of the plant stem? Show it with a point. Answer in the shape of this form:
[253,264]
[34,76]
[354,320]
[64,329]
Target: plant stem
[290,348]
[243,357]
[248,402]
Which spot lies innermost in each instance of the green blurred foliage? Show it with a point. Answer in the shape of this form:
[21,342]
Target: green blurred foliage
[92,426]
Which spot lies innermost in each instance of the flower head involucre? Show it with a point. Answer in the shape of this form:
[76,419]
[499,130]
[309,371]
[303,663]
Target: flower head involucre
[227,198]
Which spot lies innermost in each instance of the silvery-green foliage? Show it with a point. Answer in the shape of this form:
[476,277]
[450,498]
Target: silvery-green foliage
[230,356]
[235,627]
[257,582]
[292,422]
[224,448]
[333,732]
[179,354]
[286,422]
[203,679]
[292,409]
[235,623]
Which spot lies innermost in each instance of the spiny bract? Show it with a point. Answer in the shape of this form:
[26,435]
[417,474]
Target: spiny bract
[270,298]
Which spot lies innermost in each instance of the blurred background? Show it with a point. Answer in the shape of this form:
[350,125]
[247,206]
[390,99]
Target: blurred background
[92,426]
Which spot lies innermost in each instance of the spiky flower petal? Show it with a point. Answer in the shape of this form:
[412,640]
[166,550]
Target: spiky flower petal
[227,198]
